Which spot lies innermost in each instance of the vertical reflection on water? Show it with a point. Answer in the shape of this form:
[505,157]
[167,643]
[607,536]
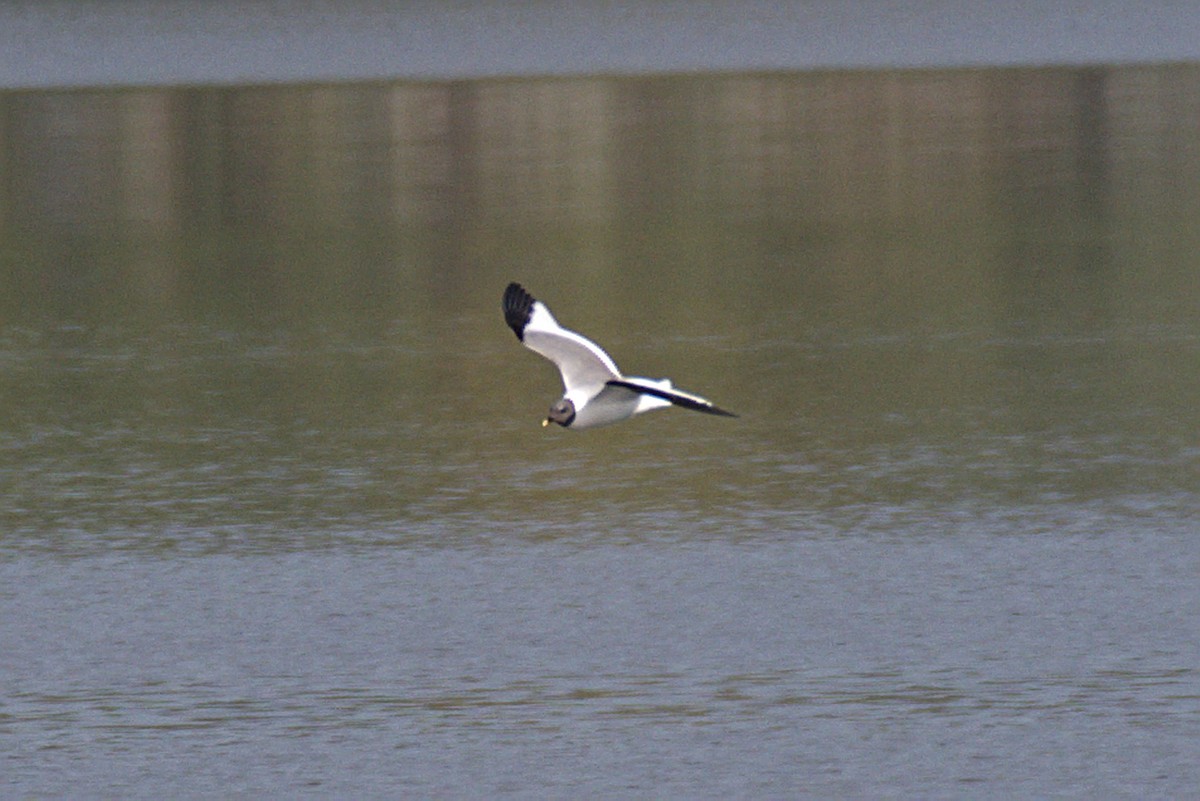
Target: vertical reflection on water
[823,179]
[279,305]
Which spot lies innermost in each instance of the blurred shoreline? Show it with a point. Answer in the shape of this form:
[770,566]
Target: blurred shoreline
[147,43]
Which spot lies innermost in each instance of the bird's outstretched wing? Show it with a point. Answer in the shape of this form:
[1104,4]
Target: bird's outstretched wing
[685,399]
[583,364]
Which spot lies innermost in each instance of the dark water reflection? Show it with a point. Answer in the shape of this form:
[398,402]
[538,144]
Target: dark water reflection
[278,511]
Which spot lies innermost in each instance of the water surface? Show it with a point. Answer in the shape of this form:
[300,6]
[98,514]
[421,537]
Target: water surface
[279,517]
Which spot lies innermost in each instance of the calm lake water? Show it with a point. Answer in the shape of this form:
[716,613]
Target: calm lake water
[279,518]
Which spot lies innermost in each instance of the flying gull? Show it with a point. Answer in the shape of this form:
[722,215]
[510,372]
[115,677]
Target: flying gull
[596,392]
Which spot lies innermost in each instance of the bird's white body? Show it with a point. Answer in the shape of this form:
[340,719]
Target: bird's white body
[595,393]
[612,404]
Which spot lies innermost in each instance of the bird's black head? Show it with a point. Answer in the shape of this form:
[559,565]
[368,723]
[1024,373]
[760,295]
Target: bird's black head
[562,412]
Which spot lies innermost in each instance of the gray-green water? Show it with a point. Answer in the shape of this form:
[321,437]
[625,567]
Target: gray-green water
[279,518]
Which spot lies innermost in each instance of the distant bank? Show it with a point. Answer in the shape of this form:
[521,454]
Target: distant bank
[73,43]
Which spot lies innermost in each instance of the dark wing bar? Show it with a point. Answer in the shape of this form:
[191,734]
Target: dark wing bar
[677,398]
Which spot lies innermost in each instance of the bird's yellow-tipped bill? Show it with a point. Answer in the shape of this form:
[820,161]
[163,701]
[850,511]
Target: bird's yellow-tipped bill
[546,422]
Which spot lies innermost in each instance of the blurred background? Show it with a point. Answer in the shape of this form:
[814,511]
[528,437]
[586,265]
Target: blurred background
[272,464]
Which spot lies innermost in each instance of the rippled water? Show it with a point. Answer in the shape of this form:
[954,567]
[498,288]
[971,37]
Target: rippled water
[950,601]
[986,662]
[279,517]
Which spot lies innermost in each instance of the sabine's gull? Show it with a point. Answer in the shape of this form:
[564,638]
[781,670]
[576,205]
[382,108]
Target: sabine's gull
[596,391]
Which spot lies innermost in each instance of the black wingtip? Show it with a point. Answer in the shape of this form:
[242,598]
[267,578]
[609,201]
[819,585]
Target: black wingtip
[518,308]
[706,408]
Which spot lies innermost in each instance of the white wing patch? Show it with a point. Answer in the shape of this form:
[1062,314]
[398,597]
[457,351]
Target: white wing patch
[584,365]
